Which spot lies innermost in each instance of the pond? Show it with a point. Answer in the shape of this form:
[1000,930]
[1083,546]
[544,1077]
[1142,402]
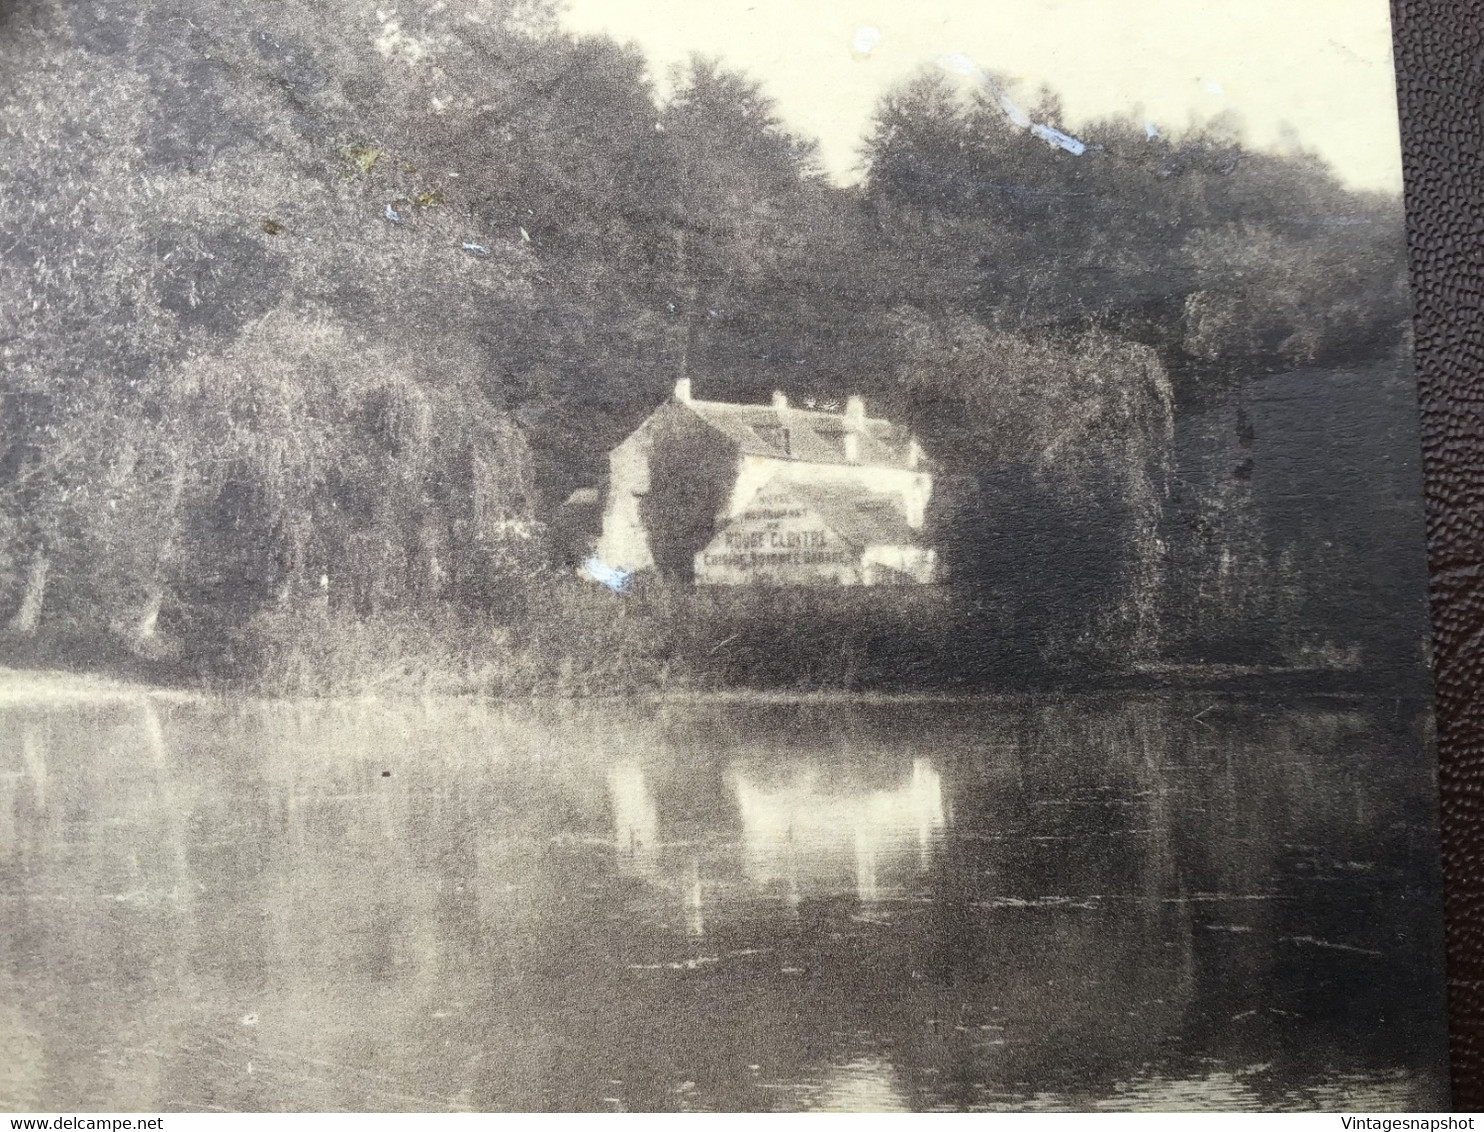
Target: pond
[1165,901]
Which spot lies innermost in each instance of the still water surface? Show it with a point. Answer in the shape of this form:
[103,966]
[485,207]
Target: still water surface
[1082,903]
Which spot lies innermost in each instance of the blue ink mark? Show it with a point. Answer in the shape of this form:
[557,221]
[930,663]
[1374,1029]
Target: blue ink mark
[963,65]
[1151,131]
[611,576]
[1057,138]
[477,249]
[393,215]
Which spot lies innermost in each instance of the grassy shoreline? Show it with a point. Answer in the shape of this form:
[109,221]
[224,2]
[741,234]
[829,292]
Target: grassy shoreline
[659,645]
[54,686]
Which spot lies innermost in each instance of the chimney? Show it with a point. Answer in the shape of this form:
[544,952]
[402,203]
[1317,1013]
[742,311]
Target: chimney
[779,400]
[914,453]
[682,390]
[855,412]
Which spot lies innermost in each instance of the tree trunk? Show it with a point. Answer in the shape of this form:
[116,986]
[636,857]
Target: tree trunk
[149,617]
[29,614]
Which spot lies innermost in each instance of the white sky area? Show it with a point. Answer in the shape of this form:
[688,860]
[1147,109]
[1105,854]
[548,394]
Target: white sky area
[1316,73]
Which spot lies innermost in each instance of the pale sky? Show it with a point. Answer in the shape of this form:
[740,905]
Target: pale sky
[1317,70]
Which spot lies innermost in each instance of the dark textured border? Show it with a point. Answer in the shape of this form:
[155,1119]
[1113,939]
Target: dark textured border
[1440,80]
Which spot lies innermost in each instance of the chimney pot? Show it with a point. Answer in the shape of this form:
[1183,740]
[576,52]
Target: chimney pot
[855,410]
[780,401]
[682,389]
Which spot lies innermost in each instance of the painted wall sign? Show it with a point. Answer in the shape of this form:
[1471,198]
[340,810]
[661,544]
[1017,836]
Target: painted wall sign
[782,541]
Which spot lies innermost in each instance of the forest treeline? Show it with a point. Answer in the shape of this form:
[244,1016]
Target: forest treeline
[312,315]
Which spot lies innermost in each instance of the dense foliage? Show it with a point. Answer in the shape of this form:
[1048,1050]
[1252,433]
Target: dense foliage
[335,302]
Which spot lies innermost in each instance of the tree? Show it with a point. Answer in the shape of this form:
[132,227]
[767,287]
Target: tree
[142,241]
[1217,255]
[1083,426]
[1258,288]
[320,461]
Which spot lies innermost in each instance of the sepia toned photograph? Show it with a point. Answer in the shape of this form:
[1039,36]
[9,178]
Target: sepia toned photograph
[731,556]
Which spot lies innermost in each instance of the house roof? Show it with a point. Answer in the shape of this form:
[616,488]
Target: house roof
[861,518]
[808,435]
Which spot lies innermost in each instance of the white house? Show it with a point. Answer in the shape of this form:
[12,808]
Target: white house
[726,494]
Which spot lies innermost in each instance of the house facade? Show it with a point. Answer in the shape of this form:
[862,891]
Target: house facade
[726,494]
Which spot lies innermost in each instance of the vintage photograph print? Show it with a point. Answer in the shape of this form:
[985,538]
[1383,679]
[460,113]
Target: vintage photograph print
[631,555]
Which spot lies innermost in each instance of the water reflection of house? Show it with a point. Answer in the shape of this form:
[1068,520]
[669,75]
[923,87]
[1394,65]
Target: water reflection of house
[802,837]
[729,494]
[806,834]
